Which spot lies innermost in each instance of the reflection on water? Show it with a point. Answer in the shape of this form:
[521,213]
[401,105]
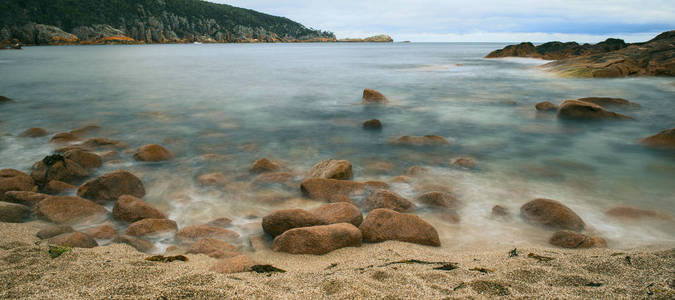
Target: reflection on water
[220,107]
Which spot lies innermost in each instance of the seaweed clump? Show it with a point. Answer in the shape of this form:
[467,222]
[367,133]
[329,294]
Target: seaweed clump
[56,251]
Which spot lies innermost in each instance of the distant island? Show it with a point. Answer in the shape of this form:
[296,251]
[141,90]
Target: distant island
[610,58]
[68,22]
[382,38]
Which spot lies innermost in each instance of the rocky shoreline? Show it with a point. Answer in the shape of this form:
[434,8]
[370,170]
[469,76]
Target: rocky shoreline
[609,59]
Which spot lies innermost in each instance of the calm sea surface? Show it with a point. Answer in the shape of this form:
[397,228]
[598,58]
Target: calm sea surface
[300,103]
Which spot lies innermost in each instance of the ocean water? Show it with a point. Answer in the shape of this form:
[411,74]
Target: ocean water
[301,103]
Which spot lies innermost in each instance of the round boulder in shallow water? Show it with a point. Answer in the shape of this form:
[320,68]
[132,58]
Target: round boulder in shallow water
[264,165]
[331,169]
[153,153]
[318,240]
[575,240]
[279,221]
[387,225]
[85,159]
[438,199]
[551,213]
[580,110]
[64,137]
[57,167]
[373,96]
[606,101]
[131,209]
[664,139]
[14,180]
[12,212]
[111,186]
[152,228]
[331,189]
[546,106]
[373,124]
[75,240]
[34,132]
[387,199]
[340,212]
[69,210]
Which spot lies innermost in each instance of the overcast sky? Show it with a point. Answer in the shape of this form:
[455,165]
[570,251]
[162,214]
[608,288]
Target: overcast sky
[491,20]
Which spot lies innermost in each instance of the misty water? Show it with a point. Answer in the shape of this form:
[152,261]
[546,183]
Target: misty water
[220,107]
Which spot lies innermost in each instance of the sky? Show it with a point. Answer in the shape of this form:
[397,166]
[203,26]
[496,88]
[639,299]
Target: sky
[478,21]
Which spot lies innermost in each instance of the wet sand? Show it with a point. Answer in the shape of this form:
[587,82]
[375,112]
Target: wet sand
[118,271]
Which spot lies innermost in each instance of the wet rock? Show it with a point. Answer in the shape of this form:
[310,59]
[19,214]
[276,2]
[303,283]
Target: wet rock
[438,199]
[54,187]
[153,153]
[213,179]
[101,143]
[450,216]
[12,212]
[285,178]
[265,165]
[53,230]
[14,180]
[152,228]
[331,189]
[4,99]
[29,199]
[426,140]
[318,240]
[663,139]
[373,124]
[69,210]
[279,221]
[571,239]
[500,211]
[632,213]
[85,131]
[103,232]
[213,248]
[131,209]
[85,159]
[384,224]
[237,264]
[579,110]
[74,239]
[416,171]
[34,132]
[140,244]
[464,162]
[607,102]
[526,49]
[546,106]
[373,96]
[56,167]
[552,214]
[340,212]
[220,222]
[111,186]
[331,169]
[64,137]
[387,199]
[193,233]
[401,179]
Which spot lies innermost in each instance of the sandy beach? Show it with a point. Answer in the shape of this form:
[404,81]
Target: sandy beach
[118,271]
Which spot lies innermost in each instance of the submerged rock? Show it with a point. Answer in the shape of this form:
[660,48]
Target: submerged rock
[373,96]
[265,165]
[546,106]
[214,248]
[384,224]
[571,239]
[111,186]
[331,169]
[605,101]
[14,180]
[86,130]
[69,210]
[318,240]
[53,230]
[439,199]
[633,213]
[85,159]
[579,110]
[64,137]
[373,124]
[552,214]
[4,99]
[152,228]
[34,132]
[340,212]
[12,212]
[131,209]
[152,153]
[216,179]
[500,211]
[426,140]
[663,139]
[279,221]
[387,199]
[464,162]
[75,240]
[193,233]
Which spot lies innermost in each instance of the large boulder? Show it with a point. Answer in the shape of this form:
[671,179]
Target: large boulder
[580,110]
[385,224]
[53,230]
[14,180]
[140,244]
[265,165]
[373,96]
[152,228]
[387,199]
[318,240]
[279,221]
[552,214]
[12,212]
[425,140]
[69,210]
[29,199]
[337,190]
[111,186]
[331,169]
[663,139]
[214,248]
[57,167]
[152,152]
[189,234]
[34,132]
[571,239]
[85,159]
[339,212]
[131,209]
[74,239]
[438,199]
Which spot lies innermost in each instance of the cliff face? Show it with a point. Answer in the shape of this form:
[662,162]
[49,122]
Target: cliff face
[39,22]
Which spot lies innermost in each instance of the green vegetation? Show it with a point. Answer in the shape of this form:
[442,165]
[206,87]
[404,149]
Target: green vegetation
[56,251]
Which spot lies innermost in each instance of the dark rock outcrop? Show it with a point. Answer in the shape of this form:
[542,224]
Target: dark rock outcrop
[385,224]
[318,240]
[85,159]
[57,167]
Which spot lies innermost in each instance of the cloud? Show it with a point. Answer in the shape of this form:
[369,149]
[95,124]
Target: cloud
[451,20]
